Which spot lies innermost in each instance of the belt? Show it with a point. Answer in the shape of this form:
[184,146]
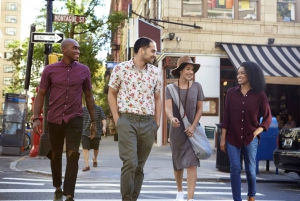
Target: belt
[137,116]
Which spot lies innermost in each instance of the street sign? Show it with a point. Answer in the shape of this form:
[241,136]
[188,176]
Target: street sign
[69,18]
[47,37]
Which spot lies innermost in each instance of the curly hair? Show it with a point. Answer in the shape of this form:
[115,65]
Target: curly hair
[255,75]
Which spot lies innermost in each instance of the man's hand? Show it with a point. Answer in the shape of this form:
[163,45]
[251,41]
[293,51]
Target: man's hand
[104,130]
[93,130]
[37,127]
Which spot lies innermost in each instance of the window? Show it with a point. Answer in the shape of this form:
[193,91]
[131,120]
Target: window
[7,81]
[286,10]
[8,55]
[192,8]
[11,18]
[7,42]
[11,6]
[11,31]
[247,10]
[221,9]
[8,68]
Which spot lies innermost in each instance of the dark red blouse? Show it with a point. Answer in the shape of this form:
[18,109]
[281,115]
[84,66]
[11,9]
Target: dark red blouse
[242,115]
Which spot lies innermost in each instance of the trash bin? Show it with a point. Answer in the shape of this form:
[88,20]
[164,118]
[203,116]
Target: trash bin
[267,145]
[210,131]
[222,159]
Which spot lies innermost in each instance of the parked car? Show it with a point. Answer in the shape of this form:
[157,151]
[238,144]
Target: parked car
[287,154]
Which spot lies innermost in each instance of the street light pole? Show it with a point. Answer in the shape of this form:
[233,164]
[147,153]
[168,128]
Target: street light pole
[44,140]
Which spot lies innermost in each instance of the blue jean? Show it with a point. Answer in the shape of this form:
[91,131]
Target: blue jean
[249,154]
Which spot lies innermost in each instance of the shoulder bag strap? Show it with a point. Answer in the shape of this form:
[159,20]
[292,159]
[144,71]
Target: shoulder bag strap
[175,97]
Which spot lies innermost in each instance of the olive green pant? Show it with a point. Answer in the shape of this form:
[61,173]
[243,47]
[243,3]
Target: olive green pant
[136,136]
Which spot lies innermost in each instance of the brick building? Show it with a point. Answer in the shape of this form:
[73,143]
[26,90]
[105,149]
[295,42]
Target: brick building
[231,31]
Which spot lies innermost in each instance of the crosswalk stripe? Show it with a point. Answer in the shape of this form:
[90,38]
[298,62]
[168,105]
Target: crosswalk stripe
[112,191]
[26,179]
[139,200]
[23,183]
[152,186]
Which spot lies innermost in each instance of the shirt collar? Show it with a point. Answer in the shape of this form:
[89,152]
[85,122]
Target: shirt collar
[72,65]
[134,67]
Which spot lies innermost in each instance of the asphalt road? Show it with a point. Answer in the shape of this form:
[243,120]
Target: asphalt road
[20,186]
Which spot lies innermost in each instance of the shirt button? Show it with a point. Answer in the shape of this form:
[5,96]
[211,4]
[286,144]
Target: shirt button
[242,119]
[242,111]
[243,102]
[241,136]
[241,128]
[67,97]
[65,105]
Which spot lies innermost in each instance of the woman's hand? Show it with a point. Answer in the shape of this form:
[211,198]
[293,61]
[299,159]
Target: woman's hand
[175,122]
[223,144]
[190,131]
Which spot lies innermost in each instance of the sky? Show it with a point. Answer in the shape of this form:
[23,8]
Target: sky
[31,9]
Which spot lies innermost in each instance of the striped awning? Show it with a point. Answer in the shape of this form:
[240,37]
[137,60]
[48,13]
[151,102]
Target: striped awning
[274,60]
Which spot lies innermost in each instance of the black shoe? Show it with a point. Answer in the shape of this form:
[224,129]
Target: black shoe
[69,199]
[58,195]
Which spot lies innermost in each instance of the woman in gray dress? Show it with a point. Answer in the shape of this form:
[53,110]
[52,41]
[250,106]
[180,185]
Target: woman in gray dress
[191,96]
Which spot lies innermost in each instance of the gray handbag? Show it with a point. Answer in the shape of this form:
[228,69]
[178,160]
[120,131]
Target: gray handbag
[199,141]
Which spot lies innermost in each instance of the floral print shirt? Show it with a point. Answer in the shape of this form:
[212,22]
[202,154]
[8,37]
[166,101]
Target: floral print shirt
[136,87]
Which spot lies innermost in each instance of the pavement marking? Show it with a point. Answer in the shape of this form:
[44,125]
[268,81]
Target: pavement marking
[23,183]
[152,186]
[106,199]
[26,179]
[86,191]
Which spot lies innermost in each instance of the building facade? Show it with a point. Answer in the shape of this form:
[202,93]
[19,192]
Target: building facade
[10,30]
[220,34]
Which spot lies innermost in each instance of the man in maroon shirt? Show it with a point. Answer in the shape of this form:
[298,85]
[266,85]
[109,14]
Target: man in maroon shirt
[66,80]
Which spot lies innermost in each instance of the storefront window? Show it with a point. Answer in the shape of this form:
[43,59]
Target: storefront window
[247,10]
[286,10]
[220,9]
[192,8]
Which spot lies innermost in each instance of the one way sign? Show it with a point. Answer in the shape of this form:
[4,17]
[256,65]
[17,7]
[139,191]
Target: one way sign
[47,38]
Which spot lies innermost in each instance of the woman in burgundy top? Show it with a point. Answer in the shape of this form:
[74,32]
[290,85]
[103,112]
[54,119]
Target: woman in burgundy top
[244,106]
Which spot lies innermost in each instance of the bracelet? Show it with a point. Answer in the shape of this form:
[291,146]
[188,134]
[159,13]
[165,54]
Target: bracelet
[35,119]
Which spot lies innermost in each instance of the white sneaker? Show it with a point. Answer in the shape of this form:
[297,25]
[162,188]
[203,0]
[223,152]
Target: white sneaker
[180,196]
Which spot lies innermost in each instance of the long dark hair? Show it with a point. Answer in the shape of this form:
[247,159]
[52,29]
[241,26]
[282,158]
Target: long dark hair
[255,76]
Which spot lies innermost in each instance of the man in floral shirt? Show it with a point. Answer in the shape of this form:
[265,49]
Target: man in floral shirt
[135,103]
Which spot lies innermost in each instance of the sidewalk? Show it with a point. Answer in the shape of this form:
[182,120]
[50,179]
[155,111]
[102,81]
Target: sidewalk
[158,166]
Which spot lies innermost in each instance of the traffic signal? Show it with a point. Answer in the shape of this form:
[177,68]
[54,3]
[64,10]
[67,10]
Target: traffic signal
[52,58]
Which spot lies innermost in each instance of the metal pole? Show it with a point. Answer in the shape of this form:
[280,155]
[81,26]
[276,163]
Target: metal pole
[29,58]
[44,140]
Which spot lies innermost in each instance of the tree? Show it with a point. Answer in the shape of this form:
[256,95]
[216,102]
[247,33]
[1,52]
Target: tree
[91,36]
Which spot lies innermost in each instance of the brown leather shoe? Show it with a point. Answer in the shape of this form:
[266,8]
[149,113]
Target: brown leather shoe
[86,169]
[251,198]
[95,164]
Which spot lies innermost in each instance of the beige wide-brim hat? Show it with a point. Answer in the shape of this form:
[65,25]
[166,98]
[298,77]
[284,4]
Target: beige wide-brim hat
[182,61]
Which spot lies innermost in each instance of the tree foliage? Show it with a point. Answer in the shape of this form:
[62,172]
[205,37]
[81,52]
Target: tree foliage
[91,36]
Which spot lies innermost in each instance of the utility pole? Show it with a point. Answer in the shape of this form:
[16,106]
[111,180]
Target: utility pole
[44,140]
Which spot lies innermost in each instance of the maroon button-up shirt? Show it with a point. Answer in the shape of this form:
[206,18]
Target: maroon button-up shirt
[242,115]
[66,83]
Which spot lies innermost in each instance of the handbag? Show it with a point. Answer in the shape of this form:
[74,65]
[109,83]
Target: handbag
[199,140]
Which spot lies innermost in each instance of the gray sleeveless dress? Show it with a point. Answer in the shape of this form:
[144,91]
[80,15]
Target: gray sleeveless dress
[183,155]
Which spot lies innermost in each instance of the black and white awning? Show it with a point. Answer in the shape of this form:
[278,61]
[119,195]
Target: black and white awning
[274,60]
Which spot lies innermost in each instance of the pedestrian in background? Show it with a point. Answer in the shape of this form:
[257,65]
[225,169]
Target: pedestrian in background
[244,107]
[87,141]
[290,123]
[135,103]
[66,80]
[191,96]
